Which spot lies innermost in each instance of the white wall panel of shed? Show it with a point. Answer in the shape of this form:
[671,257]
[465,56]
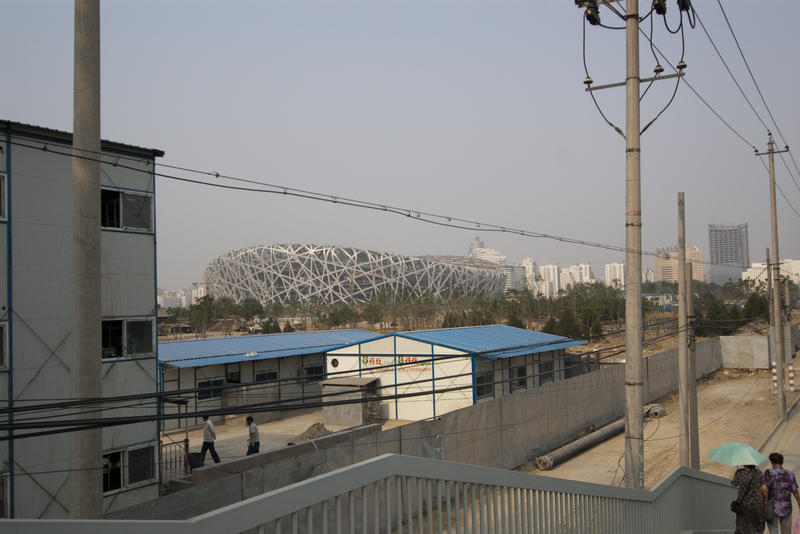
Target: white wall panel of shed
[128,284]
[115,177]
[3,267]
[127,378]
[3,156]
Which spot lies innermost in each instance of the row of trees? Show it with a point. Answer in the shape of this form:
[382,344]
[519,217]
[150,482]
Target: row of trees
[582,311]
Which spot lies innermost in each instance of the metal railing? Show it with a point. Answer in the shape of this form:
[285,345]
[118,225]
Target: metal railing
[405,494]
[174,460]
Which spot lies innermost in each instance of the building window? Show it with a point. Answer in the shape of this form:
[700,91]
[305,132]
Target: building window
[546,373]
[233,374]
[141,465]
[209,389]
[128,468]
[266,376]
[484,384]
[314,373]
[4,496]
[518,377]
[121,209]
[112,471]
[3,345]
[136,333]
[3,197]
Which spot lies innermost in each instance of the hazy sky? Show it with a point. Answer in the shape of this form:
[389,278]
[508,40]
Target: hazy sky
[472,109]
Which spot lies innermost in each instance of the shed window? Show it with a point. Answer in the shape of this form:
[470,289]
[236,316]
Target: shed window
[233,373]
[207,389]
[518,376]
[3,197]
[314,373]
[266,376]
[546,369]
[121,209]
[112,471]
[141,465]
[3,344]
[484,384]
[137,334]
[4,495]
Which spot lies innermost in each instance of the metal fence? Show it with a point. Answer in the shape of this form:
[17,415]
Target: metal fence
[404,494]
[174,460]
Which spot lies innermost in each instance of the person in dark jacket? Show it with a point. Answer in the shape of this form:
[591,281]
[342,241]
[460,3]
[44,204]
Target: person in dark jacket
[752,495]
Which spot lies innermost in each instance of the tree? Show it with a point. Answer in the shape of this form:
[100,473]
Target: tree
[200,313]
[287,327]
[250,307]
[270,326]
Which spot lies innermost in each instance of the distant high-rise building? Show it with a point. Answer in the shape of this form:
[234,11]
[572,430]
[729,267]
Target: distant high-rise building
[648,275]
[530,272]
[615,275]
[549,274]
[730,252]
[515,277]
[666,264]
[476,243]
[576,274]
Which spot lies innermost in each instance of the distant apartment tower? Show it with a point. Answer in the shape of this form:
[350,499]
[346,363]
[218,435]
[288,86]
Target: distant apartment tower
[549,274]
[478,251]
[666,264]
[648,275]
[515,277]
[730,252]
[615,275]
[530,272]
[580,273]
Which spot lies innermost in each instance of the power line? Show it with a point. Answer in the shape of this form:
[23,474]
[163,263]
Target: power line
[412,214]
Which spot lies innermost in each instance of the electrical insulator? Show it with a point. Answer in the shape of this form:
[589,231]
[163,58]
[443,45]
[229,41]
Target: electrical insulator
[681,65]
[588,81]
[660,6]
[592,14]
[684,5]
[658,69]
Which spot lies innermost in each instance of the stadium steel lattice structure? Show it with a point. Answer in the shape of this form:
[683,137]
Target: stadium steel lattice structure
[285,273]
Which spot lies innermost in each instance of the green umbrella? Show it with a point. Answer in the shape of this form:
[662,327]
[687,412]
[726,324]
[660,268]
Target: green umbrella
[736,454]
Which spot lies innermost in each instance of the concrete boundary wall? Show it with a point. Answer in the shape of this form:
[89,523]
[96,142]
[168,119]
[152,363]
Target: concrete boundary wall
[504,432]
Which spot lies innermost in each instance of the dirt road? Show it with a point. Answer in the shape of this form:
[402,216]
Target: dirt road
[733,406]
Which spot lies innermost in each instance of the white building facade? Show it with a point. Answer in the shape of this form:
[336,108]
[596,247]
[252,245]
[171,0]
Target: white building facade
[580,273]
[758,271]
[35,295]
[550,274]
[615,275]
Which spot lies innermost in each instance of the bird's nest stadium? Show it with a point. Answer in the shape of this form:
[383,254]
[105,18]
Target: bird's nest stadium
[318,273]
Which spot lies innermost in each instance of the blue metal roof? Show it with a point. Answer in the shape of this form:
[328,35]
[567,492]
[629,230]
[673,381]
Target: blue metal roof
[202,352]
[493,341]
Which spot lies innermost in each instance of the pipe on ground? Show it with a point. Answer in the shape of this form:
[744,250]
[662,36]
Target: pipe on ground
[562,454]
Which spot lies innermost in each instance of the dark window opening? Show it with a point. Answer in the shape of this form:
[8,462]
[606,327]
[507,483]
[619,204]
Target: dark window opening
[140,337]
[266,376]
[484,384]
[110,214]
[314,373]
[518,377]
[141,465]
[208,389]
[233,374]
[112,471]
[546,367]
[112,339]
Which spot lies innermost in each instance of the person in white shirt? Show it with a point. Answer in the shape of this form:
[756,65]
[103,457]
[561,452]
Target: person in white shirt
[252,441]
[209,435]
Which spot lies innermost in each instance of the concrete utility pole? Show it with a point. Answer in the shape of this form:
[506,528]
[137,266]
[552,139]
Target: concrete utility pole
[776,284]
[634,424]
[86,446]
[683,340]
[694,431]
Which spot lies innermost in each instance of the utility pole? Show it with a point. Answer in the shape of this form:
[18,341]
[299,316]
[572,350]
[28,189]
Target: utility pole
[86,446]
[634,424]
[634,377]
[683,340]
[776,284]
[694,431]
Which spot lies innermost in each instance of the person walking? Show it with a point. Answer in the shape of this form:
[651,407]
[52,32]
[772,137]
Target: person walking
[781,486]
[209,435]
[752,496]
[252,441]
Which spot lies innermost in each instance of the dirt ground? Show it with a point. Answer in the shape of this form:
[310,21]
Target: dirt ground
[732,406]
